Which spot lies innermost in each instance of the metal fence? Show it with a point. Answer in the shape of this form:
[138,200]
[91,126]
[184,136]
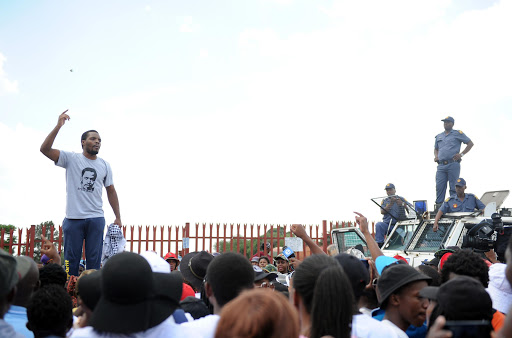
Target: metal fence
[211,237]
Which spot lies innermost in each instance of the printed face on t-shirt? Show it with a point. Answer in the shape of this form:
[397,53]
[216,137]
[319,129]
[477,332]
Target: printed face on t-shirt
[88,178]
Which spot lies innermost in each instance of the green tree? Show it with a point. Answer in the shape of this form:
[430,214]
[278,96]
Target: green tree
[7,238]
[248,251]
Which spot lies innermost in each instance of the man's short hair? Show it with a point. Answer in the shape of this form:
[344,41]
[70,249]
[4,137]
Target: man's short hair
[466,263]
[86,134]
[53,274]
[50,311]
[229,274]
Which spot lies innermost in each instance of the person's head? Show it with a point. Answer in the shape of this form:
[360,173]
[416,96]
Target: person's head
[88,178]
[281,263]
[172,260]
[263,279]
[193,267]
[332,250]
[398,289]
[49,312]
[448,123]
[53,274]
[508,260]
[258,313]
[465,263]
[357,273]
[133,297]
[263,261]
[195,307]
[28,280]
[255,260]
[460,186]
[8,280]
[227,276]
[429,270]
[390,189]
[313,285]
[91,142]
[463,298]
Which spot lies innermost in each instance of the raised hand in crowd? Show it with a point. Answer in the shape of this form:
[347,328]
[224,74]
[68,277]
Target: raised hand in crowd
[362,222]
[48,248]
[299,231]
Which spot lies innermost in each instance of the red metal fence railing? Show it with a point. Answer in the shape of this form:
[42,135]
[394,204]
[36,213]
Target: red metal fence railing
[243,238]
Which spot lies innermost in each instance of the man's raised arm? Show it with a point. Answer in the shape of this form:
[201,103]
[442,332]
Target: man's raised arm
[46,147]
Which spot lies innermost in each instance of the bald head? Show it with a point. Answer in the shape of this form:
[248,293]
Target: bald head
[29,281]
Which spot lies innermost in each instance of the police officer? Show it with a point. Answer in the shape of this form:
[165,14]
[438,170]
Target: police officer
[393,209]
[447,156]
[459,203]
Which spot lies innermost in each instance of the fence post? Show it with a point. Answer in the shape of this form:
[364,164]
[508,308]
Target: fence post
[324,230]
[30,248]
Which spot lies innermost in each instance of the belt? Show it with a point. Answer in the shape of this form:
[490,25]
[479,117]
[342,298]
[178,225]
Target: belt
[446,162]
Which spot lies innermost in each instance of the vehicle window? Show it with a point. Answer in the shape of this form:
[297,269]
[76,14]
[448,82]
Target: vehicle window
[400,237]
[350,239]
[426,240]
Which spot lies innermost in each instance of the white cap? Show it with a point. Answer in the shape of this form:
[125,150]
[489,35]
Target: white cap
[157,263]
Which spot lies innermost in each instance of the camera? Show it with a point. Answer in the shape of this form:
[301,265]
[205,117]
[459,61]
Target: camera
[481,237]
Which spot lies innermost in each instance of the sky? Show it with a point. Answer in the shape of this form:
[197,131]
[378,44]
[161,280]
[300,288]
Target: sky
[251,111]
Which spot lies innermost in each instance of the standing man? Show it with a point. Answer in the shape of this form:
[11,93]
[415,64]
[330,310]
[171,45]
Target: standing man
[459,203]
[393,209]
[86,174]
[447,155]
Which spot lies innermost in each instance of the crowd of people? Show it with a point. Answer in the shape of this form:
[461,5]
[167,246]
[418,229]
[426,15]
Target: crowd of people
[229,295]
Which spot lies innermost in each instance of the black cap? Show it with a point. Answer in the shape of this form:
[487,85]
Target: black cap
[356,272]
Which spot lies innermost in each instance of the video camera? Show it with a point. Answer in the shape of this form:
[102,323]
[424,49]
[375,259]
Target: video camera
[482,237]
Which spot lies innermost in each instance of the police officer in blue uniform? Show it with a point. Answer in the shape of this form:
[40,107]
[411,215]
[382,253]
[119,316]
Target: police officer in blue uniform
[393,209]
[447,155]
[459,203]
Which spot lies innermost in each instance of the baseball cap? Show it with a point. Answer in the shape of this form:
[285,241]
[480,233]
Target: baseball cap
[270,268]
[396,276]
[255,258]
[9,275]
[448,119]
[460,182]
[389,186]
[281,256]
[156,262]
[382,261]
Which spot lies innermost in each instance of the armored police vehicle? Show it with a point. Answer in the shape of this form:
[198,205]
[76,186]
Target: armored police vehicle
[414,239]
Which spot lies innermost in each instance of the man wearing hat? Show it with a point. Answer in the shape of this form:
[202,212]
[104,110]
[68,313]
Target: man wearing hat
[282,263]
[448,156]
[461,202]
[8,280]
[28,283]
[398,291]
[393,209]
[173,261]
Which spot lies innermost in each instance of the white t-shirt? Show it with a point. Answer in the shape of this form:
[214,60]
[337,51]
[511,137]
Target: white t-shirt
[85,180]
[167,329]
[366,326]
[399,332]
[201,328]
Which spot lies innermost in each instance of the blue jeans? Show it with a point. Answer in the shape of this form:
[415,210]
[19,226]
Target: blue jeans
[446,173]
[381,230]
[75,232]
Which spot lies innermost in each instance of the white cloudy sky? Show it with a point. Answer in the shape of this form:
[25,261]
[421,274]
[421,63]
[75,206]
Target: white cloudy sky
[253,111]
